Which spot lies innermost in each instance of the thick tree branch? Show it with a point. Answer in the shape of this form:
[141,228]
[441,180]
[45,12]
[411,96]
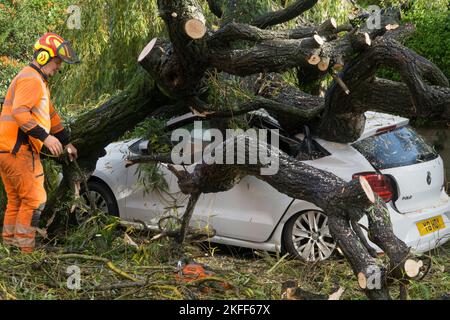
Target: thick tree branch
[283,15]
[185,21]
[181,60]
[268,56]
[301,181]
[415,72]
[378,94]
[240,31]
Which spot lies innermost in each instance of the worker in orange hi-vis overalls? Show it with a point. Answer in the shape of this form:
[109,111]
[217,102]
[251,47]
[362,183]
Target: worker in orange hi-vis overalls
[27,122]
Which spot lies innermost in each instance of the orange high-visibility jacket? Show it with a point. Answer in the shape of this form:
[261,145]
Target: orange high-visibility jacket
[28,116]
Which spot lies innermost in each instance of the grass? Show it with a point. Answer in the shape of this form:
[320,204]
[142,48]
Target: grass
[107,260]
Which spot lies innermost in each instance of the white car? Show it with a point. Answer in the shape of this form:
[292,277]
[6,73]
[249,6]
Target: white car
[406,172]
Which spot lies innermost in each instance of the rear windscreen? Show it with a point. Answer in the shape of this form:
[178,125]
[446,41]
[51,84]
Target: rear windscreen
[397,148]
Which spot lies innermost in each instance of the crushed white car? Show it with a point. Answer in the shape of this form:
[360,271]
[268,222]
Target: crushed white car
[398,164]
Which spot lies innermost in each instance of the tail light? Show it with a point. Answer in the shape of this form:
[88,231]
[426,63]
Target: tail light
[386,129]
[379,183]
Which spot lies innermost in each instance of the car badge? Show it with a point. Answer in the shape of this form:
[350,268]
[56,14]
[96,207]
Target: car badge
[429,177]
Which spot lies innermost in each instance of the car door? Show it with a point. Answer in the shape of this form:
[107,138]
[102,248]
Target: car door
[249,211]
[146,204]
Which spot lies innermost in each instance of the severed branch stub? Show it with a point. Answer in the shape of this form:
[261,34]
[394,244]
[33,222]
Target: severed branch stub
[324,64]
[412,267]
[314,59]
[327,28]
[195,29]
[367,189]
[341,83]
[362,280]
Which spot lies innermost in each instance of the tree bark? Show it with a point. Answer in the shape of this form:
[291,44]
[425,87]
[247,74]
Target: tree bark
[234,31]
[425,91]
[268,56]
[186,27]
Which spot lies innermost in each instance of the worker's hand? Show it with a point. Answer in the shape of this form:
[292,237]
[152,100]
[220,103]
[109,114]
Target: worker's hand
[53,144]
[72,151]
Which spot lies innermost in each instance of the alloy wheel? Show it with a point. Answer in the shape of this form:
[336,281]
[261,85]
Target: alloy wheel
[311,236]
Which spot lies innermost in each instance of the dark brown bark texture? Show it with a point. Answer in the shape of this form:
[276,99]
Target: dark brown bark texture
[179,65]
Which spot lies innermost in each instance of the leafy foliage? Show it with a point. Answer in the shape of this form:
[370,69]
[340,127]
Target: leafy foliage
[21,24]
[95,234]
[246,10]
[326,9]
[111,37]
[432,38]
[251,274]
[150,178]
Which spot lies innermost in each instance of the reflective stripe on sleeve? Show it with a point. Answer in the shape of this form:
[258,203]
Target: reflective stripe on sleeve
[20,110]
[29,125]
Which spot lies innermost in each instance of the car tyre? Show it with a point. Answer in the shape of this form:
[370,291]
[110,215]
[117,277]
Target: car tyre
[103,197]
[307,237]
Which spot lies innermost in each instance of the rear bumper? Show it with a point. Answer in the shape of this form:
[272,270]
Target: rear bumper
[405,227]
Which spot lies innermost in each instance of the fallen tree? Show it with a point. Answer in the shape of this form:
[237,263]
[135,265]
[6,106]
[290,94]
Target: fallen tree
[339,117]
[181,67]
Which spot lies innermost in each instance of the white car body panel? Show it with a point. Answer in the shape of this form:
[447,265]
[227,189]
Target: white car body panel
[224,210]
[414,193]
[377,120]
[344,160]
[111,170]
[221,210]
[252,214]
[145,206]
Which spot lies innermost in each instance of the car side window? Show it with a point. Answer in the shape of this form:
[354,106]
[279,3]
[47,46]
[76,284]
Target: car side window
[139,147]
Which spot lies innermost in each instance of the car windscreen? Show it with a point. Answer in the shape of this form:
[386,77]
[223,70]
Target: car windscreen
[396,148]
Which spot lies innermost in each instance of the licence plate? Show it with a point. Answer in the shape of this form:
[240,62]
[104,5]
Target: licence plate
[430,225]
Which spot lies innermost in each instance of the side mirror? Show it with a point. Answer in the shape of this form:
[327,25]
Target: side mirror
[139,147]
[144,146]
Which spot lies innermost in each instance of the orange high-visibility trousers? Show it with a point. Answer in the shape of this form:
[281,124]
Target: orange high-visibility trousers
[23,178]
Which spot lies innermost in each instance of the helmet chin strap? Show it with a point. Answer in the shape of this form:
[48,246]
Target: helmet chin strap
[38,69]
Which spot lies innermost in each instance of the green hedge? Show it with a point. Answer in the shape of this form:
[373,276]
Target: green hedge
[432,37]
